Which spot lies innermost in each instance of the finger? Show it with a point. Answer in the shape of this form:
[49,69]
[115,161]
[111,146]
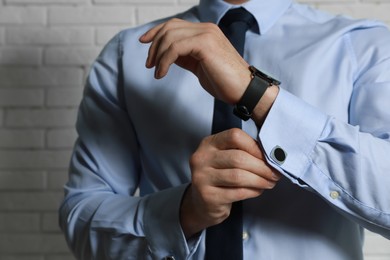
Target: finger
[187,39]
[153,47]
[169,56]
[148,36]
[238,178]
[236,138]
[157,34]
[153,36]
[189,47]
[229,195]
[241,160]
[173,44]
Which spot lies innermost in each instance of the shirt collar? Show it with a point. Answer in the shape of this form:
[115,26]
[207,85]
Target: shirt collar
[266,12]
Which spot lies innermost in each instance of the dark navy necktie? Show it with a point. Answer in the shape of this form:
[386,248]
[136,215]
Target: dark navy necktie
[224,241]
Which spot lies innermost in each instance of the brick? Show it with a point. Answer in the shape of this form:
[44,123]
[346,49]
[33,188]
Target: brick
[50,222]
[57,179]
[41,76]
[30,201]
[136,1]
[49,36]
[2,33]
[151,13]
[32,243]
[21,257]
[23,15]
[92,15]
[45,1]
[192,2]
[40,117]
[21,138]
[71,55]
[1,117]
[22,180]
[20,56]
[19,222]
[376,1]
[314,2]
[34,159]
[61,138]
[60,97]
[60,257]
[21,97]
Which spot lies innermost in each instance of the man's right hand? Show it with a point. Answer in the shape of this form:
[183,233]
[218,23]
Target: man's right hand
[227,167]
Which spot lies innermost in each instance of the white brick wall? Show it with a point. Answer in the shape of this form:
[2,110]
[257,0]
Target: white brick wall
[46,47]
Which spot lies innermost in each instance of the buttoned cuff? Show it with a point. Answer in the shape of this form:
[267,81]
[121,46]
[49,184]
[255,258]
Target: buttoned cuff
[290,133]
[162,227]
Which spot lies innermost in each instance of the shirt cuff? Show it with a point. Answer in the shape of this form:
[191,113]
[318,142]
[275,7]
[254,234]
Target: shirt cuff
[290,133]
[163,231]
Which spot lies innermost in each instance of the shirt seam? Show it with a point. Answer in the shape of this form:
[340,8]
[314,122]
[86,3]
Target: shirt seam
[120,45]
[352,54]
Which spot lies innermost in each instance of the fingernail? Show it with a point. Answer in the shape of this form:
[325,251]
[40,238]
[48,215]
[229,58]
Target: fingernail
[157,73]
[141,38]
[147,63]
[276,176]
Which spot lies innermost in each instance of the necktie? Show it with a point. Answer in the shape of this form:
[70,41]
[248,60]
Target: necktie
[224,241]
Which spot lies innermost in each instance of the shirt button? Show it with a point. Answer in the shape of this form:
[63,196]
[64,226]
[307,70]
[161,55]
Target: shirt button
[245,235]
[278,154]
[334,194]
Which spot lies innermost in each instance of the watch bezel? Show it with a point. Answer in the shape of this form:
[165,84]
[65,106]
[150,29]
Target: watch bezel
[262,75]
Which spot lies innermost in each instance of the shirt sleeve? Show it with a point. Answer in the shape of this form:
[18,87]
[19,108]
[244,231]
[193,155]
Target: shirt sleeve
[100,215]
[346,163]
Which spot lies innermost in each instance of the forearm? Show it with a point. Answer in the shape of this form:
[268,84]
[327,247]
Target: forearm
[264,105]
[98,225]
[88,235]
[332,158]
[190,224]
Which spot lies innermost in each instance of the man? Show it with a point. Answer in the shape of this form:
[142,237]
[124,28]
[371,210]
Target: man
[310,165]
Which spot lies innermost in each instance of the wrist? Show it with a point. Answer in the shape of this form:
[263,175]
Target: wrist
[256,90]
[189,223]
[264,105]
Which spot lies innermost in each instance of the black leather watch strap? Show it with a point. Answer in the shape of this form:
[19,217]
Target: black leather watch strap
[255,90]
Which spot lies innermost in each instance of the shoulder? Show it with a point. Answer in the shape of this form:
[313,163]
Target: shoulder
[345,23]
[363,42]
[361,33]
[134,33]
[127,41]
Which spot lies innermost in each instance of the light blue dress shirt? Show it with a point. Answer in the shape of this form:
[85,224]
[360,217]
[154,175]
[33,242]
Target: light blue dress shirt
[331,118]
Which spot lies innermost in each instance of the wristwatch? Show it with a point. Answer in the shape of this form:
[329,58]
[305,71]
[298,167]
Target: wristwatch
[255,90]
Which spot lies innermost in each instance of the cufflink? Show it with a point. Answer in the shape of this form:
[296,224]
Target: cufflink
[278,155]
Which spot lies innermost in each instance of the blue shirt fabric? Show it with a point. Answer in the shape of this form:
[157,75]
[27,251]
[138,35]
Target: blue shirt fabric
[331,117]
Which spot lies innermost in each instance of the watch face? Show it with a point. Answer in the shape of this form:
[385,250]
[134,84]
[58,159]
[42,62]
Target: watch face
[270,80]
